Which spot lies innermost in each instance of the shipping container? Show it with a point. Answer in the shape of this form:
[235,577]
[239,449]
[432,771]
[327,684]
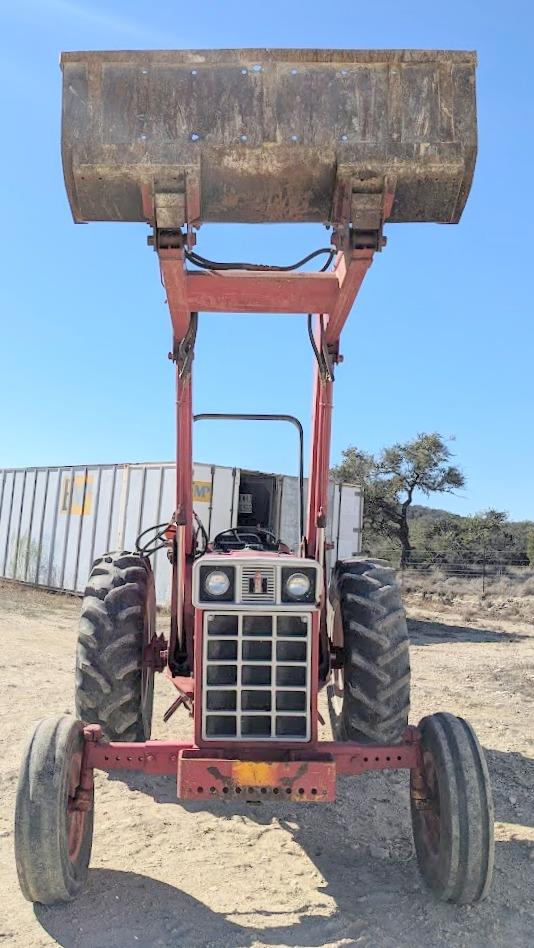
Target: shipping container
[54,521]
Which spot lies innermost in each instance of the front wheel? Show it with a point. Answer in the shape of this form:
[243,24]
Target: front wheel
[53,835]
[452,811]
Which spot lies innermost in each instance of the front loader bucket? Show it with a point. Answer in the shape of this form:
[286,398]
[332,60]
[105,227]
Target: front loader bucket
[268,135]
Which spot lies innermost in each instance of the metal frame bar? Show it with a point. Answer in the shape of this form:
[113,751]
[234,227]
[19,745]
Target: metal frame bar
[30,525]
[232,505]
[162,757]
[155,561]
[210,508]
[244,291]
[111,506]
[95,518]
[8,529]
[141,503]
[67,527]
[19,525]
[350,270]
[4,477]
[124,498]
[60,472]
[41,528]
[80,527]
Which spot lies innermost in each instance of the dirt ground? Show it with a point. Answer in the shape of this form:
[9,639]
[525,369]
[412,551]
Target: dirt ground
[165,873]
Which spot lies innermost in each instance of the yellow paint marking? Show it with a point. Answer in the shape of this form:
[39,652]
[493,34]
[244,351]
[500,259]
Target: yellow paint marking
[77,497]
[202,492]
[254,774]
[81,486]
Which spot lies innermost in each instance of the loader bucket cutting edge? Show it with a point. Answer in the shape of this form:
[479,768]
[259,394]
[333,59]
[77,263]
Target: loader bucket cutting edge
[296,135]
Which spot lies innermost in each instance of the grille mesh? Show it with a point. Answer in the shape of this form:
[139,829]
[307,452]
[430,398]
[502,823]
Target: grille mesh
[258,584]
[256,677]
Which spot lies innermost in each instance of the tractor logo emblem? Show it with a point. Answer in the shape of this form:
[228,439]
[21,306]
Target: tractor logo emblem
[258,583]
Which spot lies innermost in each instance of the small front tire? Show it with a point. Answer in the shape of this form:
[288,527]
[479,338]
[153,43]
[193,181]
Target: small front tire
[452,811]
[52,838]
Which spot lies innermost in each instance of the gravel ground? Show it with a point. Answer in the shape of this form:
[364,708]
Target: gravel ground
[165,873]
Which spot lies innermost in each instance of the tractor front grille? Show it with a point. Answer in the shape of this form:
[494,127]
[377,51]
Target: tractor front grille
[258,584]
[256,677]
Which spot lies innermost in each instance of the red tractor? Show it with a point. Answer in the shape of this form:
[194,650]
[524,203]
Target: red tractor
[350,139]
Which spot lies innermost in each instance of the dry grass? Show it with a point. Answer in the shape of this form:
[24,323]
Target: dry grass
[29,600]
[510,595]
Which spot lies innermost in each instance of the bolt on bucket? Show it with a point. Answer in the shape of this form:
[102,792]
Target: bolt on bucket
[259,136]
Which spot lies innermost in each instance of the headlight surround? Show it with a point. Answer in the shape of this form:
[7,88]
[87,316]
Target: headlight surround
[217,583]
[298,584]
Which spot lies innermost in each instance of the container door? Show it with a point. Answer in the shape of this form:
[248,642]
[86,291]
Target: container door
[348,539]
[224,500]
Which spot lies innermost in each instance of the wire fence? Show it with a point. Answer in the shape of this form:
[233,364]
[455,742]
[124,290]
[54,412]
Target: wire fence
[484,570]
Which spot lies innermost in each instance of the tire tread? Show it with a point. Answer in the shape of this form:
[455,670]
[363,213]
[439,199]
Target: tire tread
[110,646]
[463,870]
[376,696]
[45,873]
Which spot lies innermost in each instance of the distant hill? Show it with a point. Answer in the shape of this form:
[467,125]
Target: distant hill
[433,514]
[441,536]
[419,511]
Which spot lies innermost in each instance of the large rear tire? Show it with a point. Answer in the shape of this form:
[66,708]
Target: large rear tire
[452,811]
[113,686]
[370,690]
[52,839]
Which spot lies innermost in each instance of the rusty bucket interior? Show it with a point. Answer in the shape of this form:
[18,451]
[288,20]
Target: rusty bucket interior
[258,136]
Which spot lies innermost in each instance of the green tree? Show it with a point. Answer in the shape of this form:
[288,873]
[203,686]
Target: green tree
[482,528]
[443,541]
[391,479]
[530,548]
[489,532]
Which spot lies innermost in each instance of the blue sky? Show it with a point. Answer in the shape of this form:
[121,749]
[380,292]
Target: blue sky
[440,339]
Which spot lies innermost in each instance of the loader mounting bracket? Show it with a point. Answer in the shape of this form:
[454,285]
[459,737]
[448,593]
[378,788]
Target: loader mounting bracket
[163,238]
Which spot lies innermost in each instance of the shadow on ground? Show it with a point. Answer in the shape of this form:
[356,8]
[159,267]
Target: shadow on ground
[362,848]
[427,632]
[127,909]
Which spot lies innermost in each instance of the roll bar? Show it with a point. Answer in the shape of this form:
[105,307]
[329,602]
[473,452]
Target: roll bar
[237,416]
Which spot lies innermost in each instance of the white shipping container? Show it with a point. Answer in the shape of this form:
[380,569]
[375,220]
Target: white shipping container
[54,521]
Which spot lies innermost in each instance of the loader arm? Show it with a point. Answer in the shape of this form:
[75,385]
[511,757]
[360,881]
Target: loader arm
[247,292]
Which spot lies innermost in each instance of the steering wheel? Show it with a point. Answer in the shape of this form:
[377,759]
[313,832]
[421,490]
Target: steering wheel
[238,537]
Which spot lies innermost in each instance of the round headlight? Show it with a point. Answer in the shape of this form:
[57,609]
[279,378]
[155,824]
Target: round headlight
[298,585]
[217,583]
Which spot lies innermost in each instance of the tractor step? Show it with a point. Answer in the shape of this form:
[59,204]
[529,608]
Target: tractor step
[202,778]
